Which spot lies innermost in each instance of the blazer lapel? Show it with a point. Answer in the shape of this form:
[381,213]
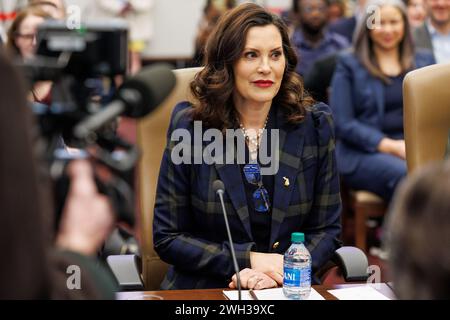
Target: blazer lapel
[290,150]
[231,176]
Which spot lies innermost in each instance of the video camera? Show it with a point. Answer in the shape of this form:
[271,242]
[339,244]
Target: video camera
[83,65]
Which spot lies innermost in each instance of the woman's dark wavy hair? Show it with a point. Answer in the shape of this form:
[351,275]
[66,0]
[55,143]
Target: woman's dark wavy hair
[213,87]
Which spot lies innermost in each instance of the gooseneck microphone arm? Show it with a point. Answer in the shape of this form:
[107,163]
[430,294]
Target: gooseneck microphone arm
[219,188]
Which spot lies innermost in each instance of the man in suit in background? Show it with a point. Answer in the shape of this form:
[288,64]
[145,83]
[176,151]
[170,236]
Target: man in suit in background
[311,38]
[434,34]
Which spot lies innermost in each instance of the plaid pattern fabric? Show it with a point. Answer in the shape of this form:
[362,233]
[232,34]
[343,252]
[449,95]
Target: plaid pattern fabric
[189,229]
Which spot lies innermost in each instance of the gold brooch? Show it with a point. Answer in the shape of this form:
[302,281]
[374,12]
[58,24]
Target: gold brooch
[286,182]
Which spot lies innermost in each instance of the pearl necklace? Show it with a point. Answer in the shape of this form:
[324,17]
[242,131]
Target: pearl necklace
[253,138]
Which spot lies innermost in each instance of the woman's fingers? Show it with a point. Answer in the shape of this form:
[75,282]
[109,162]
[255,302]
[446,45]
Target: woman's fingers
[243,276]
[265,283]
[251,279]
[276,277]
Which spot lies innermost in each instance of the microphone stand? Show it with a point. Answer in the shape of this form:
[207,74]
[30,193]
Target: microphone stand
[233,254]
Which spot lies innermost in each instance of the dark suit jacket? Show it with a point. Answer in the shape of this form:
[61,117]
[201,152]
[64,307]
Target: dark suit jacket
[422,39]
[189,229]
[357,101]
[318,79]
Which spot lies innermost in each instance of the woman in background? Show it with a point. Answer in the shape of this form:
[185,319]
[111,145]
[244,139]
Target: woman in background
[8,12]
[22,34]
[211,14]
[22,44]
[366,98]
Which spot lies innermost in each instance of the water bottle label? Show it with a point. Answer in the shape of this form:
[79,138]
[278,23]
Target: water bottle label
[294,277]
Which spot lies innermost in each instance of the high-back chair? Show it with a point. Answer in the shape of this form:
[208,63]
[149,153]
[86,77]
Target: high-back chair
[426,102]
[151,139]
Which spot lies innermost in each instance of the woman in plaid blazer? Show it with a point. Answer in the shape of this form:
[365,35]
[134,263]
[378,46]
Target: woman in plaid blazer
[248,86]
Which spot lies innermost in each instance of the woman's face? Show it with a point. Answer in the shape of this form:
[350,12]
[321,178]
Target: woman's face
[416,13]
[391,30]
[26,37]
[259,71]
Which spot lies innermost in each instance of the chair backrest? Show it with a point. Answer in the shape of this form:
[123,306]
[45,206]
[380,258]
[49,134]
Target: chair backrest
[426,100]
[151,139]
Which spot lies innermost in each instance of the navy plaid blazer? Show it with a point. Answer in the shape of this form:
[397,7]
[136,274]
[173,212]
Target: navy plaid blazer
[189,229]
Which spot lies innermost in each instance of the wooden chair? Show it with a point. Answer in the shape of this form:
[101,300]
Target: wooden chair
[365,205]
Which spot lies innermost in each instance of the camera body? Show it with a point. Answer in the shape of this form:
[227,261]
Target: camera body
[98,48]
[82,65]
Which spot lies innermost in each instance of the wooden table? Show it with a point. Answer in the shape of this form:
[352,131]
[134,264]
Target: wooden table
[217,294]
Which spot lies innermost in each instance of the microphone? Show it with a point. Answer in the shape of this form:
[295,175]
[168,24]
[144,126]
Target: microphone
[137,97]
[219,189]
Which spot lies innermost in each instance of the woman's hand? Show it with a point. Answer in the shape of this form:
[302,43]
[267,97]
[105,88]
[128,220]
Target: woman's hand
[88,217]
[393,147]
[269,263]
[252,279]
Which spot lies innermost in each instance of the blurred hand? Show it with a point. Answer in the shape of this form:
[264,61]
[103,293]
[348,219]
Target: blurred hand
[252,279]
[88,217]
[393,147]
[269,263]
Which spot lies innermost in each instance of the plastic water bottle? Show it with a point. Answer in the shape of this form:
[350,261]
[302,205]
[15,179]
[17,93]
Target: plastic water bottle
[297,269]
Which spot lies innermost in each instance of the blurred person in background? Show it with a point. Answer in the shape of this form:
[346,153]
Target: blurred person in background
[211,13]
[35,257]
[434,33]
[336,10]
[291,17]
[21,45]
[418,236]
[366,99]
[416,12]
[311,38]
[8,12]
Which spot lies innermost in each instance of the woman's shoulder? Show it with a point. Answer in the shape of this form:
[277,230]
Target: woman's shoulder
[181,115]
[320,120]
[319,112]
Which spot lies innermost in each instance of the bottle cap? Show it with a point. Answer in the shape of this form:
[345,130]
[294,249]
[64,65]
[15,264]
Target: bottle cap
[298,237]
